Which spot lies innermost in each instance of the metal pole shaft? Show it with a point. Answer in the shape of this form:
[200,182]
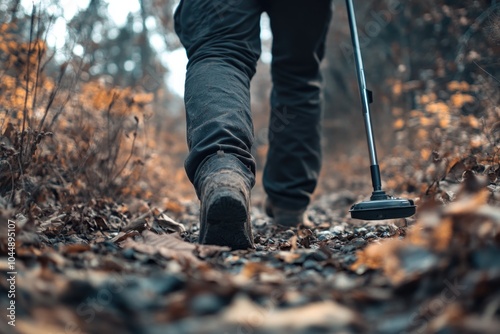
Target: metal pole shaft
[365,97]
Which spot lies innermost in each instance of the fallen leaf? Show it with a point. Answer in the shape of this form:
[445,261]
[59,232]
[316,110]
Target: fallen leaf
[327,314]
[124,235]
[170,246]
[168,223]
[75,248]
[206,251]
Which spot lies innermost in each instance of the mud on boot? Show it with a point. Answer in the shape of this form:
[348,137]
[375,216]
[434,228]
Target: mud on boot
[224,213]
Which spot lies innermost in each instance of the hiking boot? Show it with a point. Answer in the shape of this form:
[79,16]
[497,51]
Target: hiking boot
[224,213]
[286,217]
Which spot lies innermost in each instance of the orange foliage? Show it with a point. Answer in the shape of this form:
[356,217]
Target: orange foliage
[425,154]
[458,100]
[435,231]
[436,108]
[100,144]
[399,124]
[458,86]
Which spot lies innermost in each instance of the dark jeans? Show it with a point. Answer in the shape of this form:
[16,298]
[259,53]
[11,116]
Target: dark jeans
[222,41]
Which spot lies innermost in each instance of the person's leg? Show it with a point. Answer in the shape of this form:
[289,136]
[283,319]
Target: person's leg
[293,162]
[223,45]
[222,41]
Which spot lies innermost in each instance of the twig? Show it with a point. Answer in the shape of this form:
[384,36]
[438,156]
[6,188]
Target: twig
[39,62]
[110,153]
[52,97]
[25,108]
[489,74]
[131,151]
[11,179]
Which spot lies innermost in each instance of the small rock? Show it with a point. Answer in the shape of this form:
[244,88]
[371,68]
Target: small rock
[348,235]
[240,261]
[161,284]
[311,264]
[206,303]
[401,222]
[310,275]
[350,259]
[317,256]
[337,230]
[382,228]
[110,246]
[259,253]
[128,253]
[293,270]
[288,234]
[361,269]
[416,260]
[262,240]
[486,258]
[328,271]
[370,235]
[358,242]
[294,299]
[342,281]
[325,235]
[361,230]
[300,259]
[259,223]
[348,249]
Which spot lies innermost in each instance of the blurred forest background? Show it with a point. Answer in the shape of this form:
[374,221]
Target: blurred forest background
[92,144]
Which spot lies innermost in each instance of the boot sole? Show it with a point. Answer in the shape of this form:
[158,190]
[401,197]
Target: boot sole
[227,222]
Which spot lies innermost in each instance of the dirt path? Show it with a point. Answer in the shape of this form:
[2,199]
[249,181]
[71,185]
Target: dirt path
[83,271]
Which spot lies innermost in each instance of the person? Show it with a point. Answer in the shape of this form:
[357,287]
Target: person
[222,42]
